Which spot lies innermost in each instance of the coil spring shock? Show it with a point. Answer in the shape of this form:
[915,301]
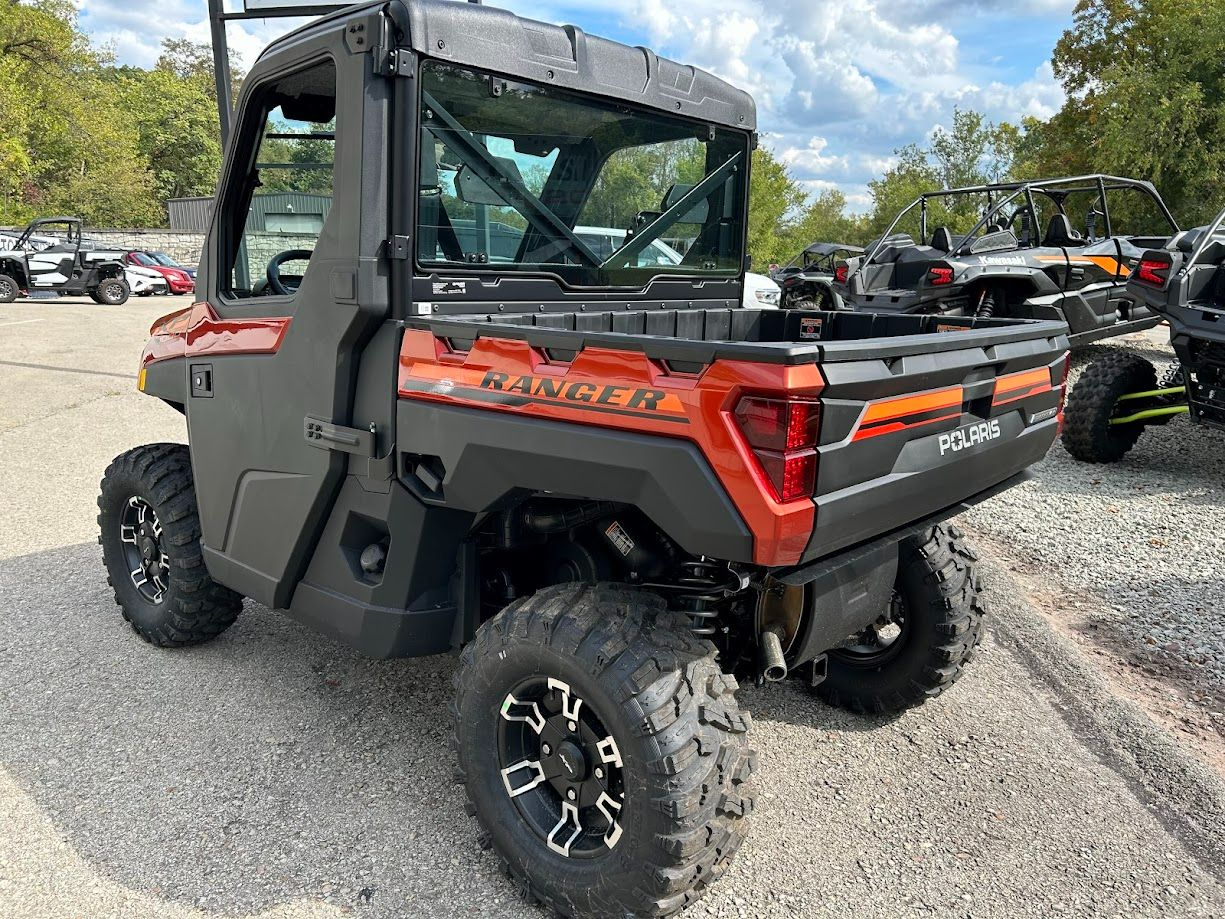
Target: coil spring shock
[986,305]
[1174,376]
[702,584]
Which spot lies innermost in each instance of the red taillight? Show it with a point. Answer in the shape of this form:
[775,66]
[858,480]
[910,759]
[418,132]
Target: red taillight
[1153,271]
[1063,392]
[782,434]
[939,276]
[840,274]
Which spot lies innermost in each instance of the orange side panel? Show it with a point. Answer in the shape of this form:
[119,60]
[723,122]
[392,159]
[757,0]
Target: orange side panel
[628,391]
[197,331]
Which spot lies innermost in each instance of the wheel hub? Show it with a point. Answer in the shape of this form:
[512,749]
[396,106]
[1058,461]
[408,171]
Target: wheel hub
[561,767]
[573,761]
[140,535]
[880,641]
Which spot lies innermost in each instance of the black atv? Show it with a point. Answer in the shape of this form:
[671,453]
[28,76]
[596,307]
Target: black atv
[1119,394]
[59,262]
[1021,258]
[807,280]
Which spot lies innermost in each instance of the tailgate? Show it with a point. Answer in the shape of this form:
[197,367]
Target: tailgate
[907,437]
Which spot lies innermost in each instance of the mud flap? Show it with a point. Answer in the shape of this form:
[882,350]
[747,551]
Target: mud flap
[845,599]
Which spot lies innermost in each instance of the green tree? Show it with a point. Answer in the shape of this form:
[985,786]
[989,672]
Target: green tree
[175,122]
[67,142]
[1146,98]
[974,152]
[776,205]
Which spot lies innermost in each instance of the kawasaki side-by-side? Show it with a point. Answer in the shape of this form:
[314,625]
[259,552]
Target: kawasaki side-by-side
[1120,393]
[1050,249]
[610,487]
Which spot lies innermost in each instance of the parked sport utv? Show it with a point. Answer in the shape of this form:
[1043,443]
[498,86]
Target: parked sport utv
[1021,257]
[807,280]
[69,266]
[1119,394]
[609,485]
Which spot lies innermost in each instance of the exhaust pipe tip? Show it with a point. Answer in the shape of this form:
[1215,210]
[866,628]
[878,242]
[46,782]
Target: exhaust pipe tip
[773,663]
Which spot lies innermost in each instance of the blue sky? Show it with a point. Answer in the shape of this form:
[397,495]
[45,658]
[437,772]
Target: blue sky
[840,84]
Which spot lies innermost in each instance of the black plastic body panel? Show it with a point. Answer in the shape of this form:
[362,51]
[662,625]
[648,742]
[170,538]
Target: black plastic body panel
[167,380]
[402,611]
[488,456]
[847,587]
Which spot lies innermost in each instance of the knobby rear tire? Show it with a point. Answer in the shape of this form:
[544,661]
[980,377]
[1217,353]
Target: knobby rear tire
[941,589]
[1088,434]
[673,714]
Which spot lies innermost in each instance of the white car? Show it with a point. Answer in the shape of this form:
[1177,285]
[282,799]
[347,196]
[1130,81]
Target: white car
[145,282]
[759,291]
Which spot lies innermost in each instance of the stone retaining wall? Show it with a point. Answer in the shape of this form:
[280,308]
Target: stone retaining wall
[185,246]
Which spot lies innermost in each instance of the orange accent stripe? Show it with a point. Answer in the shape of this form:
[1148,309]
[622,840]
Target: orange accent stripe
[886,409]
[1105,262]
[1016,386]
[862,434]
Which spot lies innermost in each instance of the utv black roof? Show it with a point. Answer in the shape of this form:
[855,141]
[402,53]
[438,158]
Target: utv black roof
[40,221]
[488,38]
[831,248]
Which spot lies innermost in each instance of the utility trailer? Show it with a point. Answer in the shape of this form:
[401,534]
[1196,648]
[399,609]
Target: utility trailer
[606,484]
[1120,395]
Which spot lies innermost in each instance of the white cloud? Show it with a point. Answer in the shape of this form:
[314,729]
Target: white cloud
[812,160]
[839,84]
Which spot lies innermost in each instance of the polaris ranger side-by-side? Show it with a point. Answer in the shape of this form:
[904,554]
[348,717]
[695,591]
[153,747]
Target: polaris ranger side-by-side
[1022,256]
[66,267]
[1119,394]
[607,483]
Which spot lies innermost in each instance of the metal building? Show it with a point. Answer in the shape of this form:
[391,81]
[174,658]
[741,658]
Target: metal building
[277,212]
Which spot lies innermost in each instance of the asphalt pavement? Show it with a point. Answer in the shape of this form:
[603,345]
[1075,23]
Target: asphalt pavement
[275,773]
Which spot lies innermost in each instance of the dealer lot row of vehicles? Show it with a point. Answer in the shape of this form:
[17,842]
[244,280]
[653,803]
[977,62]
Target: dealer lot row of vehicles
[1129,270]
[52,255]
[590,471]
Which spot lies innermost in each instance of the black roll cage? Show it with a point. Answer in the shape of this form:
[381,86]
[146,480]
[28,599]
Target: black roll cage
[72,236]
[1205,242]
[1050,188]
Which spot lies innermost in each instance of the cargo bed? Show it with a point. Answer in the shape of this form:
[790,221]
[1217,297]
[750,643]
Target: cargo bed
[768,336]
[917,414]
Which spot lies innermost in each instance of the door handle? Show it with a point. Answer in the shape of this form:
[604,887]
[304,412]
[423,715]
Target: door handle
[327,436]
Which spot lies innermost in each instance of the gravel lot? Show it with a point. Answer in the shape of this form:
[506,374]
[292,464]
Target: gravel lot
[1129,555]
[274,773]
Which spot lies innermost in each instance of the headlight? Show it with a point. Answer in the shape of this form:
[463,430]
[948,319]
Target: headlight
[767,295]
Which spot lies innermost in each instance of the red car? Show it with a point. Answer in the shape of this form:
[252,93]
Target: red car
[179,280]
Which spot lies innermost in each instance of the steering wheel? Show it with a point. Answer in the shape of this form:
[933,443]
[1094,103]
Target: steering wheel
[274,268]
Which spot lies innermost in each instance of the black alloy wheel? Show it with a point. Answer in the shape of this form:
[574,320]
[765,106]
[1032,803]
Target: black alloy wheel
[561,767]
[140,534]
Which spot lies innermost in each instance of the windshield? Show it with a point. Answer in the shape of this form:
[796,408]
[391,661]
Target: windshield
[515,177]
[142,258]
[164,260]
